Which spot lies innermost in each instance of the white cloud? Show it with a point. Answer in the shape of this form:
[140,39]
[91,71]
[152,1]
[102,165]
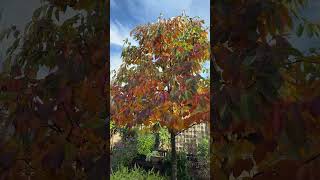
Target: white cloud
[115,61]
[119,32]
[147,11]
[150,9]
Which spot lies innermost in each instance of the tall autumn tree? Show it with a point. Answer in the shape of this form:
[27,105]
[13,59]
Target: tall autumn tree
[265,91]
[159,79]
[53,126]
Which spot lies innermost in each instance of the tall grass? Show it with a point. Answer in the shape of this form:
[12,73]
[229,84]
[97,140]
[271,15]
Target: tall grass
[124,173]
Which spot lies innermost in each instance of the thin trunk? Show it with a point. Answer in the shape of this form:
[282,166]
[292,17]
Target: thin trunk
[173,157]
[157,139]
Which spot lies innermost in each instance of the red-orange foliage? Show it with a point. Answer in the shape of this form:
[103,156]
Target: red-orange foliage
[55,127]
[265,92]
[159,79]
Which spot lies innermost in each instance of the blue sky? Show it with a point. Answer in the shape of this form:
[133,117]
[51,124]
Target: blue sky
[311,12]
[127,14]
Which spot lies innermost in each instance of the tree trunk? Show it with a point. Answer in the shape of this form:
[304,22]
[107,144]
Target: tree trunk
[157,141]
[173,157]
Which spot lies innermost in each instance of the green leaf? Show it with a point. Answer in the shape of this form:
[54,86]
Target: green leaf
[223,109]
[96,124]
[294,51]
[310,30]
[187,95]
[16,34]
[50,12]
[64,8]
[6,65]
[71,21]
[13,47]
[188,80]
[16,44]
[56,14]
[245,105]
[69,150]
[300,30]
[312,50]
[248,60]
[37,13]
[4,33]
[5,96]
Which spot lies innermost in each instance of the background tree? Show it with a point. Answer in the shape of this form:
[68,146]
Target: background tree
[265,92]
[55,125]
[159,79]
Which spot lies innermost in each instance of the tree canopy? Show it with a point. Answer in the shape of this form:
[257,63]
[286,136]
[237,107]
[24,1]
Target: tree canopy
[265,91]
[159,79]
[55,126]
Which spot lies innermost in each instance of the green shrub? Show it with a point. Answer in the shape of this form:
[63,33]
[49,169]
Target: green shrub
[203,149]
[182,166]
[145,143]
[133,142]
[124,153]
[153,153]
[164,137]
[123,173]
[203,158]
[127,133]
